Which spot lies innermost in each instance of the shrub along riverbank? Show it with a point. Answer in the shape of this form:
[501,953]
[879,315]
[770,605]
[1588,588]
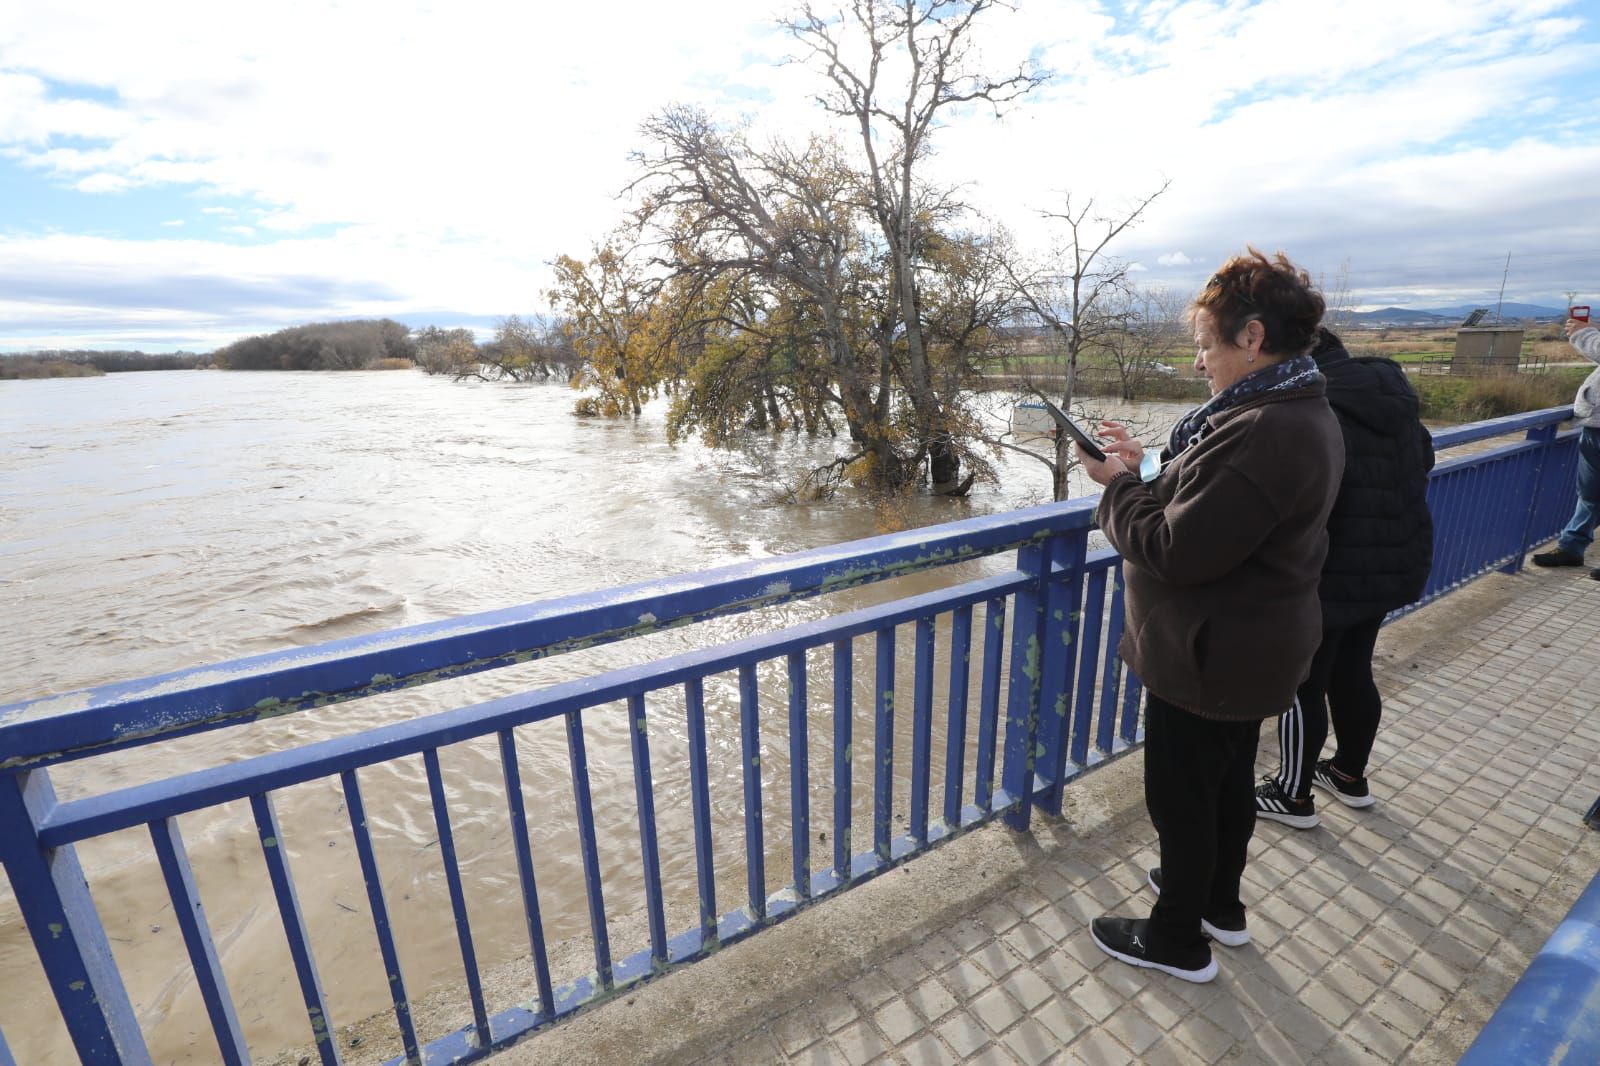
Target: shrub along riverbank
[24,367]
[1458,399]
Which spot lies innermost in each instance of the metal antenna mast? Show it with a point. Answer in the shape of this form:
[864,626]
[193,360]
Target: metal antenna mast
[1502,298]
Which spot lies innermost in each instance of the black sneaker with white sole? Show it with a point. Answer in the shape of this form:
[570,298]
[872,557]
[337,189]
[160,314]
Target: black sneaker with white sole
[1350,791]
[1128,939]
[1226,933]
[1276,805]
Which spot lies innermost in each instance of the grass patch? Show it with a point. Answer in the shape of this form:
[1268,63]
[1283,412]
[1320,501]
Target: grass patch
[1461,399]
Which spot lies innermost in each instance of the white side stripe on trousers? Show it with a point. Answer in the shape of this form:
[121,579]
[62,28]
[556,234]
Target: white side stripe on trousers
[1291,749]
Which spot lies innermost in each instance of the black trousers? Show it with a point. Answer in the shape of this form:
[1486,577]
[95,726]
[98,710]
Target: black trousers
[1199,786]
[1340,685]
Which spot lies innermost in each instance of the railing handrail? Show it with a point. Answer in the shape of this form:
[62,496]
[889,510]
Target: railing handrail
[1455,436]
[93,721]
[196,789]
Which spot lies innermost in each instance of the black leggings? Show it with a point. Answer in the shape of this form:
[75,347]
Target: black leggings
[1340,685]
[1199,778]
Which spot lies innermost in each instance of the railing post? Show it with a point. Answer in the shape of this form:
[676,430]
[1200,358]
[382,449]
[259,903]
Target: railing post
[1022,703]
[1063,625]
[1546,436]
[54,899]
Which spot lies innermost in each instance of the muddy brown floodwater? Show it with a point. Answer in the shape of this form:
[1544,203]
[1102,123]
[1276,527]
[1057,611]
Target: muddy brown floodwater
[159,521]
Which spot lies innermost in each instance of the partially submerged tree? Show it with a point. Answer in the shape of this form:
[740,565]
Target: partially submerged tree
[804,282]
[446,351]
[1080,294]
[616,335]
[778,226]
[530,349]
[895,70]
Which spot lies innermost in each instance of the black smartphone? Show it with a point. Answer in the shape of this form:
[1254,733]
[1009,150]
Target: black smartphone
[1085,441]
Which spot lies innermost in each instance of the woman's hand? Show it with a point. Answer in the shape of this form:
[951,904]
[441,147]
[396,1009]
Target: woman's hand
[1121,443]
[1101,472]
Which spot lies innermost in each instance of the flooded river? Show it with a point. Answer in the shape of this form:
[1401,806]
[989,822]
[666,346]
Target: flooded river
[153,522]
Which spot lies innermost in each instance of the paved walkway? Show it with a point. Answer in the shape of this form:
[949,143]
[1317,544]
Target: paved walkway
[1383,936]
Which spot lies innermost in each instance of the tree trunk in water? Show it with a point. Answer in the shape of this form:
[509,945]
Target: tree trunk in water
[1061,467]
[944,469]
[774,416]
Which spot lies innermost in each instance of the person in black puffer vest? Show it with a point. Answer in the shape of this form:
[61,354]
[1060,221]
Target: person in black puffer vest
[1380,549]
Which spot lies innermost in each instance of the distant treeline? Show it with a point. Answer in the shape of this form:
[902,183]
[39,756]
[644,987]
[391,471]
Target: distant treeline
[15,367]
[357,345]
[64,362]
[531,349]
[521,349]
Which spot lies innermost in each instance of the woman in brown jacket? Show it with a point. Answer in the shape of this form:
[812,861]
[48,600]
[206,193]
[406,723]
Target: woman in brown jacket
[1222,551]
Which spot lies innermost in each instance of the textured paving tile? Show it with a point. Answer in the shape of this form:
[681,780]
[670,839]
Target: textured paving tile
[1385,935]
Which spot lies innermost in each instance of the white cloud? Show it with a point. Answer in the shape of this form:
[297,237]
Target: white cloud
[444,155]
[103,181]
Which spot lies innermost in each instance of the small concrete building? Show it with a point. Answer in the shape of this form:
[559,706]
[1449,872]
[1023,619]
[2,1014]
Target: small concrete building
[1487,350]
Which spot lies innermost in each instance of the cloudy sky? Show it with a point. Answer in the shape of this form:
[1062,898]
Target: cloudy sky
[180,173]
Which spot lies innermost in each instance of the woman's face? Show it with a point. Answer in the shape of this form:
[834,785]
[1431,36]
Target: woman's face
[1221,360]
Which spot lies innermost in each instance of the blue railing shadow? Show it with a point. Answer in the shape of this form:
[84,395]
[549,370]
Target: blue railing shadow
[1053,702]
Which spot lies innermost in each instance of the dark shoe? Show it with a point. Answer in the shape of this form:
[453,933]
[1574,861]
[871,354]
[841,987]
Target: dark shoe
[1595,573]
[1557,557]
[1350,791]
[1222,932]
[1128,939]
[1275,805]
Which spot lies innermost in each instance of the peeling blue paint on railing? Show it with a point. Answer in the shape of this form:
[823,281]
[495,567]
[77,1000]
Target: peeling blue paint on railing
[1068,705]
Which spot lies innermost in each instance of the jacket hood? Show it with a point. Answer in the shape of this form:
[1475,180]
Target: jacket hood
[1369,390]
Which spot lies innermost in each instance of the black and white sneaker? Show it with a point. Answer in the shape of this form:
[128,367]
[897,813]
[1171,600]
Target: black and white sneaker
[1350,791]
[1222,932]
[1276,805]
[1128,939]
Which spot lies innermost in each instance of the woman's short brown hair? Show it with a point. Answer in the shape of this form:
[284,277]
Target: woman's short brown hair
[1274,291]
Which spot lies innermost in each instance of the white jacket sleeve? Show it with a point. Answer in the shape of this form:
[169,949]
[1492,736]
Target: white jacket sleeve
[1587,342]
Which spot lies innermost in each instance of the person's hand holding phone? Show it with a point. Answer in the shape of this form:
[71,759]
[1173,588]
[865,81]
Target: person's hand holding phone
[1119,454]
[1577,318]
[1101,471]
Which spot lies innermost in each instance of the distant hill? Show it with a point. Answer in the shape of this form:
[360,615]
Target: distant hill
[1450,316]
[1400,316]
[1509,310]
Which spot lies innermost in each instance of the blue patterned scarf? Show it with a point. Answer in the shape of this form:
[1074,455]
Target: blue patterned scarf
[1195,426]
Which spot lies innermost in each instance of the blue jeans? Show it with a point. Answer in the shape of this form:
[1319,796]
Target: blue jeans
[1579,533]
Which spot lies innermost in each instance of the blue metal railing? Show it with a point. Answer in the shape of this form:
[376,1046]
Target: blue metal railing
[1552,1014]
[1053,702]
